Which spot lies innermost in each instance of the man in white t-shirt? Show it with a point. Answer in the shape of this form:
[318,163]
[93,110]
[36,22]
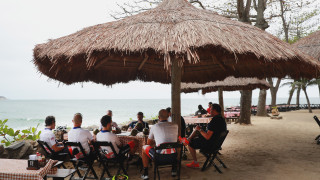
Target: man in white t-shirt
[48,136]
[162,132]
[106,135]
[77,134]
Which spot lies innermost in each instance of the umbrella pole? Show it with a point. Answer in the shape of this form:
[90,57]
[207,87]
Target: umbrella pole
[220,94]
[175,93]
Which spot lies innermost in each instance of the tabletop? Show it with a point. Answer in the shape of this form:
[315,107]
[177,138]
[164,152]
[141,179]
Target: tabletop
[140,141]
[196,120]
[15,169]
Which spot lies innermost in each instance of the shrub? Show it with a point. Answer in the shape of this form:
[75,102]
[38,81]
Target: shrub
[10,136]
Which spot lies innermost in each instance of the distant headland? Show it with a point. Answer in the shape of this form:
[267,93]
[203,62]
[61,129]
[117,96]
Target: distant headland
[2,98]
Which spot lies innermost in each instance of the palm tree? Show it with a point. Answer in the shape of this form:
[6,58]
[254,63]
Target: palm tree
[295,85]
[293,88]
[301,84]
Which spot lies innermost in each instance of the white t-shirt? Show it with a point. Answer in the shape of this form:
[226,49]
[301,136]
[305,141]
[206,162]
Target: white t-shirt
[164,132]
[48,137]
[82,136]
[169,119]
[110,137]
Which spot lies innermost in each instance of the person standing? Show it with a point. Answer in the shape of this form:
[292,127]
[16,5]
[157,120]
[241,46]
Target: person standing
[209,108]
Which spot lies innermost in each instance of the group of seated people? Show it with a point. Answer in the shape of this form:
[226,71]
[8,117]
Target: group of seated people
[162,132]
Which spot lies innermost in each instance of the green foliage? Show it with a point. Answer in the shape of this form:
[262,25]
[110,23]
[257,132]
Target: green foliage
[154,117]
[10,136]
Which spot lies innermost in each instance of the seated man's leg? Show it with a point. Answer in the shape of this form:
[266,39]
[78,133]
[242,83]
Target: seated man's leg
[130,147]
[193,153]
[146,154]
[196,143]
[193,135]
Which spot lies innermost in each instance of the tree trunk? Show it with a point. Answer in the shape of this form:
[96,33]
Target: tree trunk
[220,94]
[319,89]
[261,22]
[285,26]
[290,95]
[274,90]
[305,92]
[273,98]
[245,107]
[261,109]
[175,93]
[298,96]
[243,11]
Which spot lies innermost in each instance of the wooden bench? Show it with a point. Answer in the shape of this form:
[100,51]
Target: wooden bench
[231,119]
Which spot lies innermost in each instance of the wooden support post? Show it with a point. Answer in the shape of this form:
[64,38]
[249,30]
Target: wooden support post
[220,94]
[142,63]
[175,93]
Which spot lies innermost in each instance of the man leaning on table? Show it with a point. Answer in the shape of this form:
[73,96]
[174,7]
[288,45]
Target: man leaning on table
[48,136]
[162,132]
[77,134]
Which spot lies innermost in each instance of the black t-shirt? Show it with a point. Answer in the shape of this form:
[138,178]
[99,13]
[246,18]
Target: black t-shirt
[202,111]
[217,125]
[133,124]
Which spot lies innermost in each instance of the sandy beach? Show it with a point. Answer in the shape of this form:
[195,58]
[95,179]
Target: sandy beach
[267,149]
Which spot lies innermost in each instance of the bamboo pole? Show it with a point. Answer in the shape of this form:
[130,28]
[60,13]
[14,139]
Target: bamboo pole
[175,93]
[220,94]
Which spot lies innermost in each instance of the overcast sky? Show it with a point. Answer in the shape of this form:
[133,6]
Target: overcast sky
[25,23]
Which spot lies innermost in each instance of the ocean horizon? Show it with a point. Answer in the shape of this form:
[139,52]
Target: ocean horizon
[26,113]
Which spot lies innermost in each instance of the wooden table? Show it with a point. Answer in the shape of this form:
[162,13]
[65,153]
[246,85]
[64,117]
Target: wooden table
[231,114]
[140,141]
[15,169]
[60,174]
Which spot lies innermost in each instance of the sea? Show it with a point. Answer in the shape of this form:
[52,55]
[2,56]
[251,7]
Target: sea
[22,114]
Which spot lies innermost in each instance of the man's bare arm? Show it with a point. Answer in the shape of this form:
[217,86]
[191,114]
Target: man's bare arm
[206,135]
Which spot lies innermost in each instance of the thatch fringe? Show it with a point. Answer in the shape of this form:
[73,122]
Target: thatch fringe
[173,30]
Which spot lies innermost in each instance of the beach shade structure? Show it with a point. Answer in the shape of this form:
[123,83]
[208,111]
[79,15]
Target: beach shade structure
[172,43]
[310,45]
[229,84]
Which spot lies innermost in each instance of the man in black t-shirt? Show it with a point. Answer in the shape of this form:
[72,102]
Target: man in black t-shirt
[201,111]
[133,124]
[208,138]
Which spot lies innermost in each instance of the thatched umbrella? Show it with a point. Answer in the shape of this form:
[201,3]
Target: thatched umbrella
[310,45]
[173,42]
[228,84]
